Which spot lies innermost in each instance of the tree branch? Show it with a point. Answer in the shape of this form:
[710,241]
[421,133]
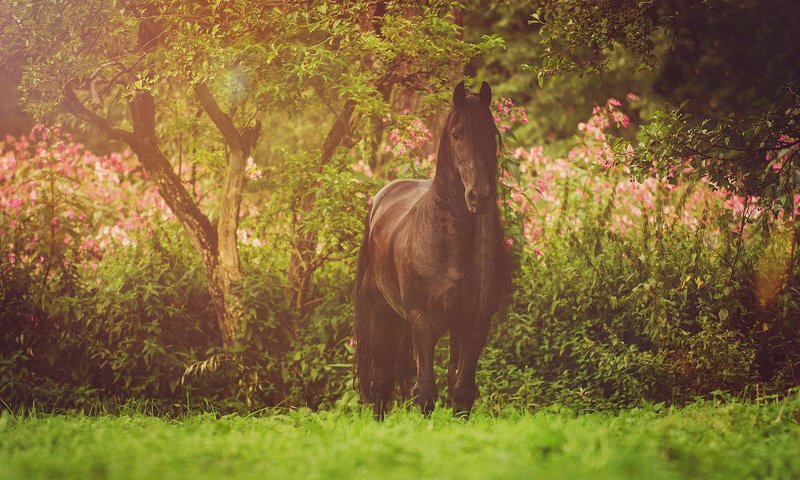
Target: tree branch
[172,190]
[338,132]
[77,108]
[221,119]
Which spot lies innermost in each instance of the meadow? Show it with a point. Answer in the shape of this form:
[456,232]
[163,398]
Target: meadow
[708,439]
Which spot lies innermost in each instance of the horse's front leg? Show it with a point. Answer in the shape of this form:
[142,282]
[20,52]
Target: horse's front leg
[465,391]
[422,331]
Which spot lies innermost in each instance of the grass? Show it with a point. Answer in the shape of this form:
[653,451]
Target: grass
[704,440]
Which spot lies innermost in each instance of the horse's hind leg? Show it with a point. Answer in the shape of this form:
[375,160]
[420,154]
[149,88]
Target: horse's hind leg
[386,334]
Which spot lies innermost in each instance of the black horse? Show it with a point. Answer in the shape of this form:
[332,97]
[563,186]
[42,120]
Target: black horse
[432,259]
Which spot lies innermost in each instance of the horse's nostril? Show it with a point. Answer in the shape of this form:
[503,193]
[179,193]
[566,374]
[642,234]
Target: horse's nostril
[472,197]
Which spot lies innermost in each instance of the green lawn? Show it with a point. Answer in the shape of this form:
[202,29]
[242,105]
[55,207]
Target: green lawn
[733,440]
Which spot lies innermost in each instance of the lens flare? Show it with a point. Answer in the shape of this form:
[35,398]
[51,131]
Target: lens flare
[236,81]
[773,267]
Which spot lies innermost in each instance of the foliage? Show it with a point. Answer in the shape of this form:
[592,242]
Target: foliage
[266,60]
[127,77]
[656,243]
[51,231]
[632,290]
[106,302]
[630,295]
[730,88]
[98,301]
[337,218]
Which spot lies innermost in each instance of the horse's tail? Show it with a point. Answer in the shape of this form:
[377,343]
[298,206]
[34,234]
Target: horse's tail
[363,359]
[405,367]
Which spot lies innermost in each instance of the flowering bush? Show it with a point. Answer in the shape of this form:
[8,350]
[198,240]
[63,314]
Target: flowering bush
[63,206]
[545,187]
[96,290]
[410,139]
[507,114]
[406,145]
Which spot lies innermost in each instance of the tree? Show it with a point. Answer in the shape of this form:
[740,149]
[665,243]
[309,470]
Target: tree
[367,58]
[124,73]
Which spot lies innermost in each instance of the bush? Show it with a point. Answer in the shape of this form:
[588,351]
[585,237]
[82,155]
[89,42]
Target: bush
[126,333]
[632,291]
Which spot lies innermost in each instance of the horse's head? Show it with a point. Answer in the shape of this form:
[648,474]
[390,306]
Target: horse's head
[472,145]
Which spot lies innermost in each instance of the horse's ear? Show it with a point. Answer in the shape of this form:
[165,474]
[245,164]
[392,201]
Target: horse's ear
[459,95]
[486,94]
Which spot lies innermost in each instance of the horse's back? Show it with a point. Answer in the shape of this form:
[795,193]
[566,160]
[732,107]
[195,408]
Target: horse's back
[395,199]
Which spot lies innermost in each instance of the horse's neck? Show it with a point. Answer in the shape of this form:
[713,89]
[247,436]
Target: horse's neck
[449,209]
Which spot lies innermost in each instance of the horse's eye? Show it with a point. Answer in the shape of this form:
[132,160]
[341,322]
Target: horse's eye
[454,135]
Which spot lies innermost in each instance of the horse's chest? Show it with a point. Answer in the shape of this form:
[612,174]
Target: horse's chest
[452,294]
[442,283]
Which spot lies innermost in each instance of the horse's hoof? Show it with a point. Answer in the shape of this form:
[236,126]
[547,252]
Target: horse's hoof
[426,407]
[461,414]
[425,398]
[379,411]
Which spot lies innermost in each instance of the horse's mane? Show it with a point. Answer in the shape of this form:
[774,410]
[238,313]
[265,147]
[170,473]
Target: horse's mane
[493,275]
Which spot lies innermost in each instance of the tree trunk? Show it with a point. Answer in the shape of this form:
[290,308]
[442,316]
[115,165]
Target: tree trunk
[217,247]
[298,277]
[201,232]
[229,267]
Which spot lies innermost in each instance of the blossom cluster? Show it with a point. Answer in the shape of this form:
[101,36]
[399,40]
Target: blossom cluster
[410,139]
[550,190]
[506,114]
